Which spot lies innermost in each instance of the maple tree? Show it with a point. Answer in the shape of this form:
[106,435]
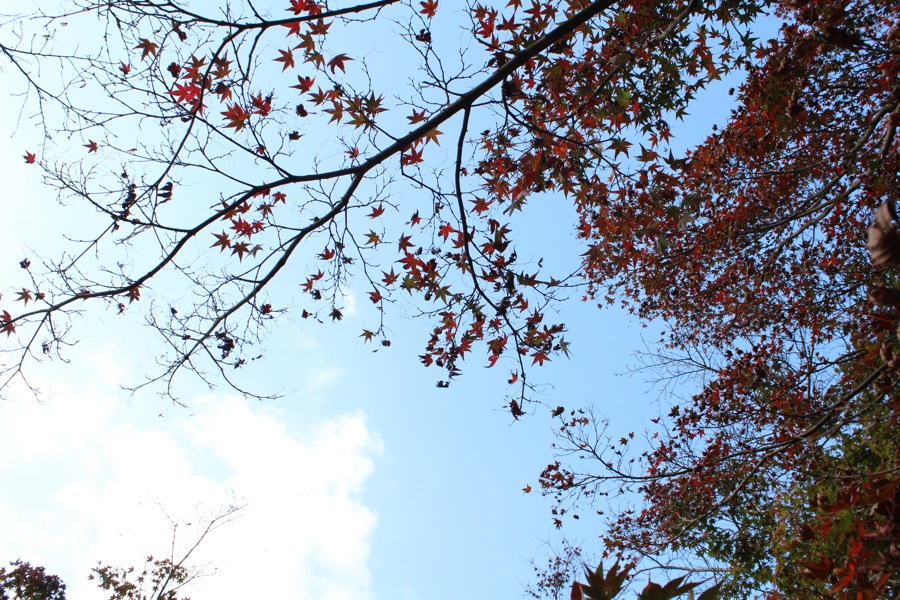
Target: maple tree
[776,473]
[158,579]
[22,581]
[26,582]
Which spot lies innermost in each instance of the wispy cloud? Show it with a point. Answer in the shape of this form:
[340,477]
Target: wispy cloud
[88,477]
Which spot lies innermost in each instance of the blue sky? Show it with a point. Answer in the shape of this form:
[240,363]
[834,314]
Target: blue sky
[363,480]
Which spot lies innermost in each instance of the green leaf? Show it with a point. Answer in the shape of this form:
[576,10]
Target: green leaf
[623,97]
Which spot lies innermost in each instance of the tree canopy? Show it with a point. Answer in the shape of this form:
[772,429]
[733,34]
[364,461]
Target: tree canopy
[221,148]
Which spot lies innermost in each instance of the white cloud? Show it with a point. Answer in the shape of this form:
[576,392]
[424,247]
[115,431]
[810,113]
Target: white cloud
[90,478]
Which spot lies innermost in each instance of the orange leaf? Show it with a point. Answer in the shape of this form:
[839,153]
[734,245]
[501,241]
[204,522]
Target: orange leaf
[539,358]
[432,136]
[147,47]
[417,117]
[287,57]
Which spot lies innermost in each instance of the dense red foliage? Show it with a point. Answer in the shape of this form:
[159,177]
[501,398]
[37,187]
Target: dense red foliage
[751,247]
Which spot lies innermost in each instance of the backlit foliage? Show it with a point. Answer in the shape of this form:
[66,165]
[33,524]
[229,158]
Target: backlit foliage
[222,149]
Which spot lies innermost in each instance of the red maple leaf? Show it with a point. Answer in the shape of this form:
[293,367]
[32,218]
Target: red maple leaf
[197,106]
[445,230]
[91,146]
[481,205]
[338,62]
[299,6]
[222,66]
[222,241]
[6,323]
[287,57]
[432,136]
[242,227]
[376,212]
[240,249]
[319,27]
[223,91]
[304,84]
[487,28]
[429,7]
[147,47]
[261,106]
[293,28]
[29,158]
[192,71]
[236,116]
[539,358]
[411,261]
[413,157]
[134,293]
[375,297]
[185,92]
[125,69]
[390,278]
